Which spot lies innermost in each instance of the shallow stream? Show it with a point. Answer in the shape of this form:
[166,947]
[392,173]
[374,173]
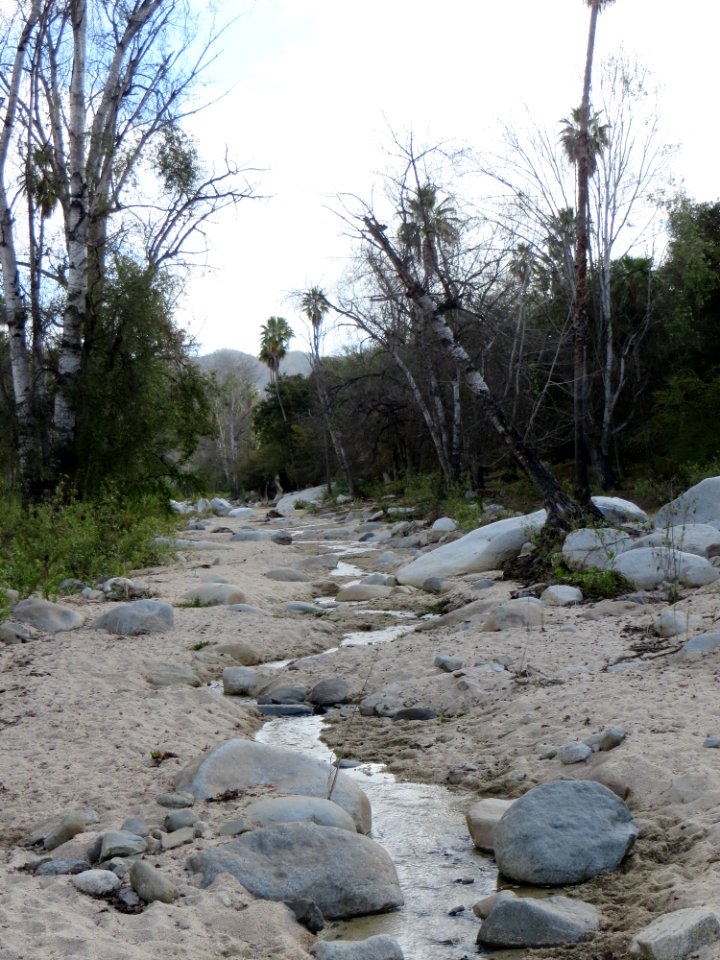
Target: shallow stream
[423,829]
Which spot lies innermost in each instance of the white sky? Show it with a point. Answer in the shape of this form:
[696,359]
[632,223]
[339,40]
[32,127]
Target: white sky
[319,85]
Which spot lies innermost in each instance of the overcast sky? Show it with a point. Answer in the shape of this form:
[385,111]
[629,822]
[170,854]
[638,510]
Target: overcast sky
[318,86]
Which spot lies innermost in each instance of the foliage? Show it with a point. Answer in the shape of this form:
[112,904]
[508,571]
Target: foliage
[595,584]
[82,539]
[142,404]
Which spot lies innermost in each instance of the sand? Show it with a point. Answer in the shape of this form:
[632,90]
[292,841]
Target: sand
[79,724]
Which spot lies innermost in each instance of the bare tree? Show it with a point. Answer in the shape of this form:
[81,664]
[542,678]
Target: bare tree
[95,92]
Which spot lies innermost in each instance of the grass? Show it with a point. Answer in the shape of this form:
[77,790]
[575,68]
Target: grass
[64,538]
[595,584]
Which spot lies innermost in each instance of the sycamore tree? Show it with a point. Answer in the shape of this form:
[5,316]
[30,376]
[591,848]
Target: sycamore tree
[95,168]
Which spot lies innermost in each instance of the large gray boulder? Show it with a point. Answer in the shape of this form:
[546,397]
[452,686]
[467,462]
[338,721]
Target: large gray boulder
[483,549]
[688,537]
[699,504]
[675,935]
[51,617]
[594,549]
[299,810]
[241,764]
[346,874]
[617,510]
[529,922]
[648,567]
[380,947]
[311,495]
[521,613]
[563,832]
[139,617]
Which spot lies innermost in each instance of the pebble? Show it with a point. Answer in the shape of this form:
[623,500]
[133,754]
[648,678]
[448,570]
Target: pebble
[120,843]
[180,818]
[177,838]
[150,884]
[174,801]
[573,752]
[712,742]
[56,868]
[96,883]
[68,828]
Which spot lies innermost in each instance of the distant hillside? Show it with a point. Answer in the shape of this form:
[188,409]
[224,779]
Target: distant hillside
[250,368]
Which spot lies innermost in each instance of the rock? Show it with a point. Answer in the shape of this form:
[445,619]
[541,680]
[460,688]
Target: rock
[699,504]
[482,819]
[96,883]
[242,682]
[672,623]
[121,588]
[119,843]
[241,651]
[379,947]
[415,713]
[287,575]
[618,510]
[362,591]
[447,663]
[529,922]
[136,825]
[313,496]
[307,913]
[13,633]
[240,764]
[135,619]
[699,646]
[284,694]
[178,838]
[327,693]
[573,752]
[563,832]
[561,595]
[180,818]
[612,738]
[213,595]
[172,674]
[388,558]
[175,801]
[675,935]
[51,617]
[711,742]
[300,606]
[444,525]
[286,709]
[380,579]
[69,827]
[486,548]
[220,507]
[594,549]
[648,567]
[244,512]
[299,810]
[346,874]
[523,612]
[61,867]
[695,538]
[247,608]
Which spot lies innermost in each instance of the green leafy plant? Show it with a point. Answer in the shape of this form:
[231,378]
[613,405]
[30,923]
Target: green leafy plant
[595,584]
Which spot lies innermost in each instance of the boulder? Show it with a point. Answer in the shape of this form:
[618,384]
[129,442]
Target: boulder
[287,575]
[672,623]
[523,612]
[122,588]
[529,922]
[379,947]
[689,537]
[317,810]
[699,504]
[346,874]
[244,512]
[699,646]
[51,617]
[618,510]
[676,935]
[139,617]
[312,495]
[561,595]
[150,884]
[563,832]
[486,548]
[242,682]
[328,692]
[594,549]
[241,764]
[648,567]
[96,883]
[444,525]
[482,819]
[212,595]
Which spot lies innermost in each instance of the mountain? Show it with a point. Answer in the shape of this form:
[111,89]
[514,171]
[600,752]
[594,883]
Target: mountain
[250,368]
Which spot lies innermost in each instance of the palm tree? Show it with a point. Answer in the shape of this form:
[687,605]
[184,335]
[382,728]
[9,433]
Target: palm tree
[275,335]
[315,305]
[597,138]
[427,225]
[581,158]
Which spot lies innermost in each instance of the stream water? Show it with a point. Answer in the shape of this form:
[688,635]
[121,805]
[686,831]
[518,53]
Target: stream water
[423,829]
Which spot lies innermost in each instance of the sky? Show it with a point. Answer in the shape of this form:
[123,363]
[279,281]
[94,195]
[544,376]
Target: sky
[317,88]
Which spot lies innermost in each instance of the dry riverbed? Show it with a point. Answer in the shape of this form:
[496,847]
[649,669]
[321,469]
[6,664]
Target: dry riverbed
[85,725]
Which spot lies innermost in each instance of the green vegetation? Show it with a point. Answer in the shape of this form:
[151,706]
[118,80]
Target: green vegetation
[104,537]
[595,584]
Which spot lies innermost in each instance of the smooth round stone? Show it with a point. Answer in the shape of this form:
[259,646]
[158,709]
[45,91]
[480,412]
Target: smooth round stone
[712,742]
[61,866]
[96,883]
[415,713]
[120,843]
[150,884]
[300,606]
[180,818]
[573,752]
[612,738]
[285,709]
[137,825]
[174,801]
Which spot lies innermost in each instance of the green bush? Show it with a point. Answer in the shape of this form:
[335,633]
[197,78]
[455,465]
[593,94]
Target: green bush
[83,539]
[595,584]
